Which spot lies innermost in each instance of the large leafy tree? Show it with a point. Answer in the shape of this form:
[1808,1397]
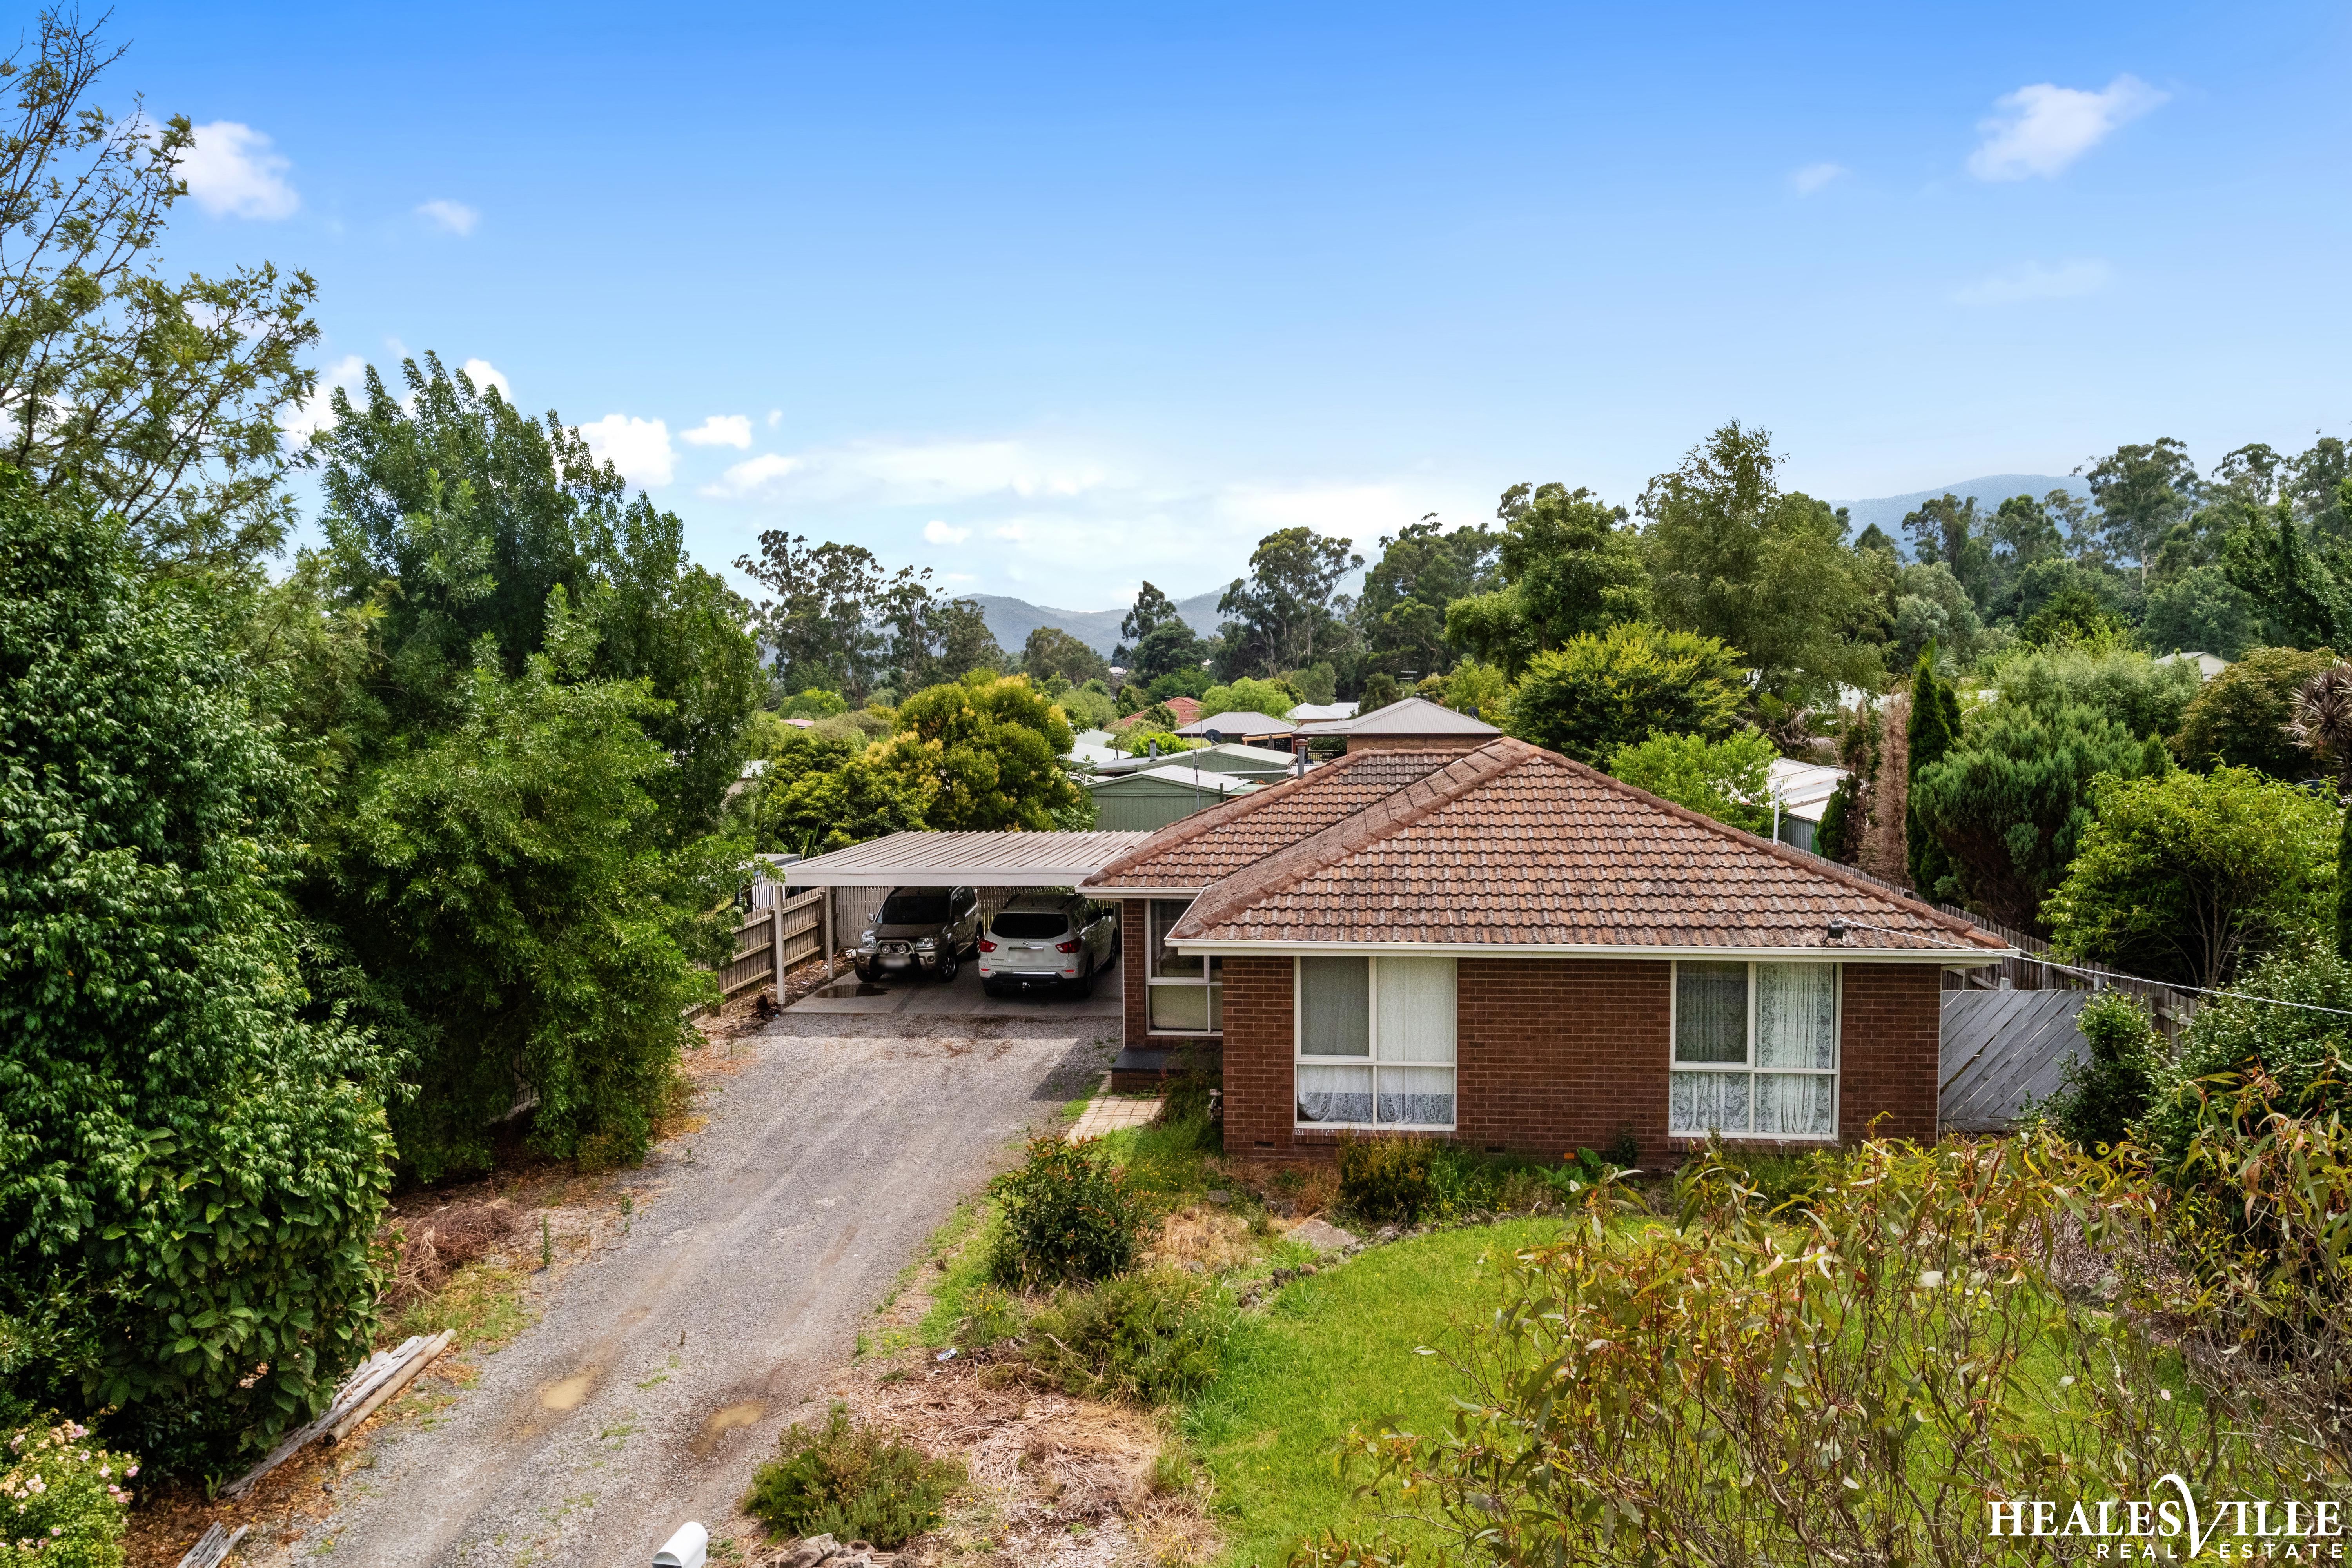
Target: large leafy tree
[459,517]
[839,619]
[1051,651]
[1730,779]
[2108,675]
[529,937]
[2141,491]
[190,1172]
[2009,803]
[1600,692]
[2239,717]
[985,752]
[2304,586]
[1401,612]
[1949,530]
[1734,557]
[1288,612]
[1567,565]
[2188,875]
[162,398]
[1151,610]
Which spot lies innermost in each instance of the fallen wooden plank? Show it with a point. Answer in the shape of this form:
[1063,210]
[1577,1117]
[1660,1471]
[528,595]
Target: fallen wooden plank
[370,1377]
[213,1547]
[392,1385]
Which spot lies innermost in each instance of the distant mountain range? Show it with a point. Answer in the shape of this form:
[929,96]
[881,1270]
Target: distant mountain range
[1012,620]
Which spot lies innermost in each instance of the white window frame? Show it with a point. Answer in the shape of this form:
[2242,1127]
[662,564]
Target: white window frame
[1209,979]
[1835,1072]
[1371,1058]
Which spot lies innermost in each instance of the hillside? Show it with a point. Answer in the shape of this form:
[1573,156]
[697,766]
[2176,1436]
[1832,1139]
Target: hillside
[1888,511]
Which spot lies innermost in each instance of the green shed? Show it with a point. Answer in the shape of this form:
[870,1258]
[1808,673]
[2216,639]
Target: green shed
[1151,798]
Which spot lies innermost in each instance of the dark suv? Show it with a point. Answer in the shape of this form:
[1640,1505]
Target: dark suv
[920,931]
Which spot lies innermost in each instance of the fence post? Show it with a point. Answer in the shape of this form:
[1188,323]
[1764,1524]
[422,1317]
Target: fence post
[776,943]
[828,935]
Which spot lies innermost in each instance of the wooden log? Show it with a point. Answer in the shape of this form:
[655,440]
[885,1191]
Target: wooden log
[356,1388]
[392,1385]
[213,1547]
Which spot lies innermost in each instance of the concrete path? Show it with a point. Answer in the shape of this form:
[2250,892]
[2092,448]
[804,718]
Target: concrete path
[658,1376]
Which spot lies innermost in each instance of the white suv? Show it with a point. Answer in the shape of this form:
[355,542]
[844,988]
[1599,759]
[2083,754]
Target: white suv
[1048,939]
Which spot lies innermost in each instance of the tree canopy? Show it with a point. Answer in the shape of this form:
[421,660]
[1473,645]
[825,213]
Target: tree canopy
[1567,566]
[1600,692]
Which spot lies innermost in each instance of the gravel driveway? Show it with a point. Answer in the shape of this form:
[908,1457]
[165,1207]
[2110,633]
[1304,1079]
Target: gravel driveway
[659,1374]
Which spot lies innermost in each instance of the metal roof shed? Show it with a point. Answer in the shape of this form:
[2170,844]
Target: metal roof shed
[967,859]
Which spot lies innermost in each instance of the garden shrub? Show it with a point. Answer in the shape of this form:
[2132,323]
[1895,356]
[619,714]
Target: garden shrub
[1385,1180]
[64,1496]
[2106,1093]
[852,1483]
[2304,1052]
[1187,1097]
[1148,1338]
[1461,1182]
[1069,1214]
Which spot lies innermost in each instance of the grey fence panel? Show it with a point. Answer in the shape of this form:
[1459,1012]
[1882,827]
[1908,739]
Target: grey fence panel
[2003,1049]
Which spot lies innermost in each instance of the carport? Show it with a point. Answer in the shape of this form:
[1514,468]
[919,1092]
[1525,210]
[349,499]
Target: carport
[997,866]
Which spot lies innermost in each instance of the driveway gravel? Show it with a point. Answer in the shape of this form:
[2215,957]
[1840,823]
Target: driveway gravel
[659,1373]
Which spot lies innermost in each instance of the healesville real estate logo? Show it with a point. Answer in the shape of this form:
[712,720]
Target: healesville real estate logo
[2174,1529]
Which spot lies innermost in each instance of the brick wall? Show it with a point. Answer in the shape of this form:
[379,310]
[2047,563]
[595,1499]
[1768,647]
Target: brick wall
[1555,1055]
[1892,1051]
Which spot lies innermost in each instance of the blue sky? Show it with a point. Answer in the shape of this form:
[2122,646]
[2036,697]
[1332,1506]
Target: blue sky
[1055,300]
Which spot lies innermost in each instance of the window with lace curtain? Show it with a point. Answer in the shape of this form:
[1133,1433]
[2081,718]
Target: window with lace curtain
[1375,1043]
[1755,1050]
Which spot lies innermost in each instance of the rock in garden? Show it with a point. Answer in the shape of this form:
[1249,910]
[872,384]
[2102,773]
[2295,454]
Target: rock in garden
[1321,1235]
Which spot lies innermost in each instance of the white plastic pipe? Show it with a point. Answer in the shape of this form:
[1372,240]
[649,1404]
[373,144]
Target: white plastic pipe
[689,1548]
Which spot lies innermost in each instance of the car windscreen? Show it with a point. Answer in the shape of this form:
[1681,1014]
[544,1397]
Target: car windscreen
[915,910]
[1030,923]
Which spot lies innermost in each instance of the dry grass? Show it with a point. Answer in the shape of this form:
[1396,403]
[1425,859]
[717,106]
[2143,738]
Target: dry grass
[1202,1241]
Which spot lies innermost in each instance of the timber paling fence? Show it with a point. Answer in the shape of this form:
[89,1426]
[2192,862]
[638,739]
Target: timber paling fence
[771,941]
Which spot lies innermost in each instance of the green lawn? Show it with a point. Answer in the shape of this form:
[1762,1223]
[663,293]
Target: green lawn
[1333,1350]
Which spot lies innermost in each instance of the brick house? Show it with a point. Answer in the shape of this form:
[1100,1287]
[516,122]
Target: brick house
[1491,943]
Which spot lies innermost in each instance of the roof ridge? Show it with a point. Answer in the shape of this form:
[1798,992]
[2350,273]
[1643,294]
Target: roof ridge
[1816,865]
[1185,829]
[1327,847]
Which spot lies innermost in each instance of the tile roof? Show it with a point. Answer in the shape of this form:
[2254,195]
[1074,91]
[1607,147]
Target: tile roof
[1210,845]
[1185,709]
[1509,844]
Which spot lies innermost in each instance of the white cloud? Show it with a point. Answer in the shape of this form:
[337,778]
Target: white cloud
[2043,128]
[939,533]
[721,430]
[775,417]
[2032,280]
[638,448]
[1815,176]
[753,479]
[1016,533]
[485,376]
[457,217]
[314,412]
[232,173]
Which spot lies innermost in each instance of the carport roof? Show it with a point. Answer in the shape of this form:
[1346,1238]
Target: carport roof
[966,860]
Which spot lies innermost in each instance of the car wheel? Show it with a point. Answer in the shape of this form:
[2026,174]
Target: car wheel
[948,965]
[1085,985]
[991,988]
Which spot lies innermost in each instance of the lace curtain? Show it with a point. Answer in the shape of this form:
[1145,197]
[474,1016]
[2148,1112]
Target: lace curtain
[1796,1016]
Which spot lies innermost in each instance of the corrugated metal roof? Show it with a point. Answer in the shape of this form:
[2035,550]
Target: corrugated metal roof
[967,859]
[1406,716]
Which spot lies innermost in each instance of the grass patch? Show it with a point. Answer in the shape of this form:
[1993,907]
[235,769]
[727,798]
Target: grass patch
[482,1302]
[851,1483]
[1333,1350]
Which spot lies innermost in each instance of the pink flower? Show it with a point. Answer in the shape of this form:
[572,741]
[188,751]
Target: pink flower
[131,1469]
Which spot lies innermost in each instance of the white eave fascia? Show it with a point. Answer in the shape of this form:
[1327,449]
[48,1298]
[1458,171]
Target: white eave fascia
[1105,891]
[1949,957]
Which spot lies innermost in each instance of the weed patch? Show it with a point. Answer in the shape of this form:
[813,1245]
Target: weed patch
[852,1483]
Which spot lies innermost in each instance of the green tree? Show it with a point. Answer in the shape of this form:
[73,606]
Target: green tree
[1733,557]
[2201,610]
[1567,566]
[1288,611]
[1600,692]
[2106,1094]
[162,399]
[2141,491]
[457,518]
[2190,876]
[2304,1048]
[190,1172]
[946,639]
[2301,586]
[849,803]
[2009,804]
[1477,690]
[1273,698]
[1421,570]
[985,753]
[1151,610]
[2240,717]
[1934,725]
[531,939]
[2322,725]
[831,621]
[1730,779]
[1839,836]
[1948,532]
[1931,605]
[2109,677]
[1051,651]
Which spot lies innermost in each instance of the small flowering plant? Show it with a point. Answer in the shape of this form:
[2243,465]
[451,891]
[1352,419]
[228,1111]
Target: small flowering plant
[63,1498]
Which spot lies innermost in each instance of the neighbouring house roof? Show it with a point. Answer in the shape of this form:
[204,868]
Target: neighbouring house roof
[970,859]
[1511,847]
[1321,712]
[1408,716]
[1093,749]
[1188,856]
[1186,709]
[1227,757]
[1167,773]
[1244,723]
[1805,787]
[2209,665]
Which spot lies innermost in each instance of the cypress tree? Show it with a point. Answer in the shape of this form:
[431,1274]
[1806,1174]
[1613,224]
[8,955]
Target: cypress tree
[1934,725]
